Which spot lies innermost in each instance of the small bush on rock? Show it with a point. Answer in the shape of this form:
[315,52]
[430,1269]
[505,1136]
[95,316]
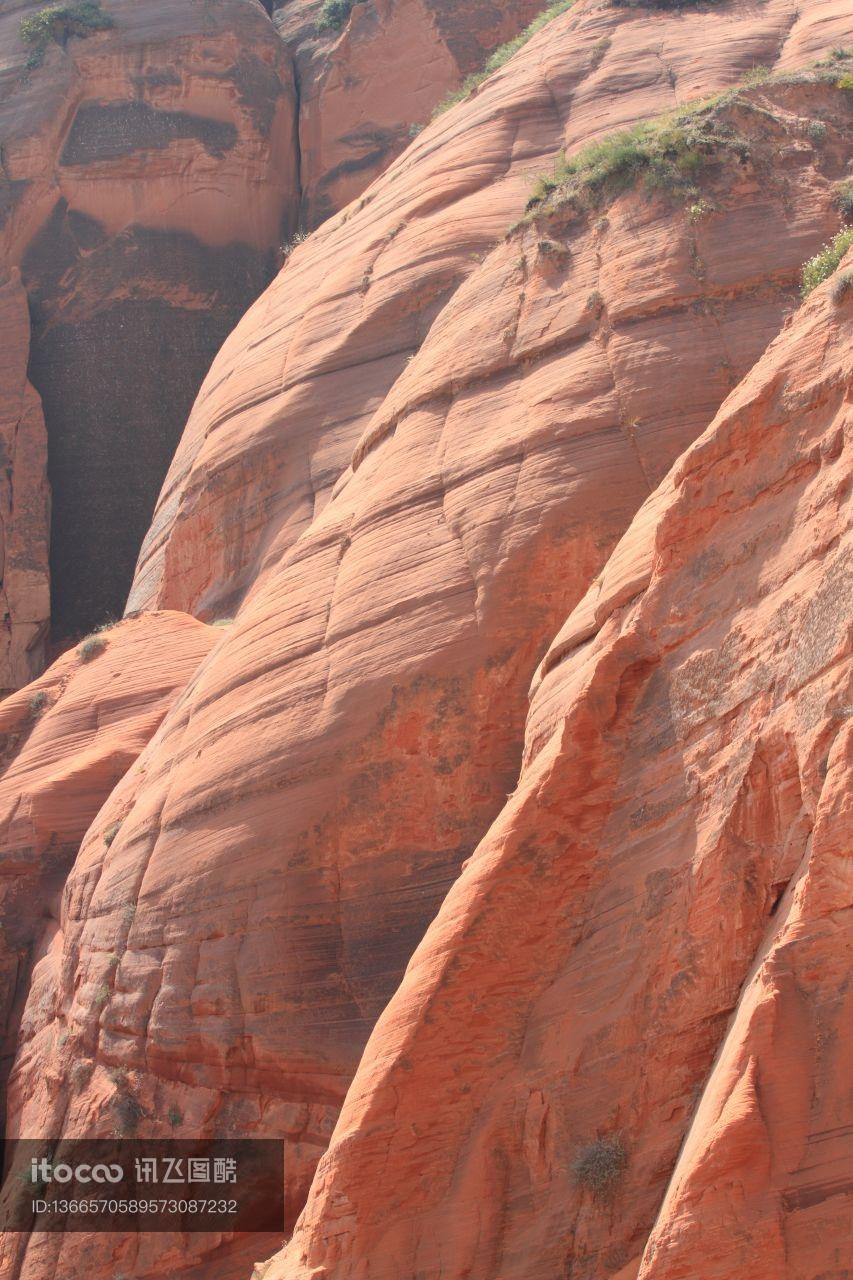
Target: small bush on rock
[844,200]
[334,14]
[91,647]
[127,1113]
[599,1166]
[58,22]
[38,702]
[842,287]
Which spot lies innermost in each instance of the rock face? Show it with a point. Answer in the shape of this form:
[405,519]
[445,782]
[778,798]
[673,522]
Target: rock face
[407,466]
[152,168]
[307,371]
[660,916]
[365,90]
[149,173]
[24,500]
[66,742]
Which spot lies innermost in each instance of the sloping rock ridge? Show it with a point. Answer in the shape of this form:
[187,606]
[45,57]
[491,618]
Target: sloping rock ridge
[627,1028]
[155,159]
[367,88]
[495,844]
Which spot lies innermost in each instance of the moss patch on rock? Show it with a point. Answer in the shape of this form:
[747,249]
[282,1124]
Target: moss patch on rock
[57,23]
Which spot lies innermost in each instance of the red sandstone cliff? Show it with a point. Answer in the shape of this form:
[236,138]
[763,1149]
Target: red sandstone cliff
[414,458]
[367,89]
[66,742]
[152,168]
[148,174]
[653,940]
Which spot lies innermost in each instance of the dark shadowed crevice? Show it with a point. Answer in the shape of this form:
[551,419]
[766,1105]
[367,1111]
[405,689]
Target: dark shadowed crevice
[124,331]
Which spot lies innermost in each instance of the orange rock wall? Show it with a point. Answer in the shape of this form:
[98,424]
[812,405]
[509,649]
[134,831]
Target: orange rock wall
[653,939]
[414,459]
[149,174]
[366,90]
[66,741]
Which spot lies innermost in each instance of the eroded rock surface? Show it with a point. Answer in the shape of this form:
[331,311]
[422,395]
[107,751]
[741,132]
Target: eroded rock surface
[367,89]
[302,376]
[407,466]
[148,176]
[66,741]
[654,937]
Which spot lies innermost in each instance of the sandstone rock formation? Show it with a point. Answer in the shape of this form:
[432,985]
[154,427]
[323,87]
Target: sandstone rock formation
[660,916]
[152,167]
[66,742]
[366,89]
[406,468]
[300,379]
[148,175]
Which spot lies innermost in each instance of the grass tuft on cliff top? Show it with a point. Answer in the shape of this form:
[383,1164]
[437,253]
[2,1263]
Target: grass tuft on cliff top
[502,55]
[664,4]
[669,152]
[826,261]
[58,22]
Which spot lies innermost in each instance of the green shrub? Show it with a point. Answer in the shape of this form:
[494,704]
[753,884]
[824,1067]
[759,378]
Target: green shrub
[334,14]
[58,22]
[824,263]
[599,1166]
[37,704]
[80,1073]
[175,1116]
[127,1113]
[298,237]
[91,647]
[111,832]
[666,153]
[501,55]
[699,210]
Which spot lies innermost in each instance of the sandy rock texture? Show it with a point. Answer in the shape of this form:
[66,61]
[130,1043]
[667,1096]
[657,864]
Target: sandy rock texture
[302,812]
[148,176]
[66,741]
[623,1047]
[367,89]
[409,463]
[299,381]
